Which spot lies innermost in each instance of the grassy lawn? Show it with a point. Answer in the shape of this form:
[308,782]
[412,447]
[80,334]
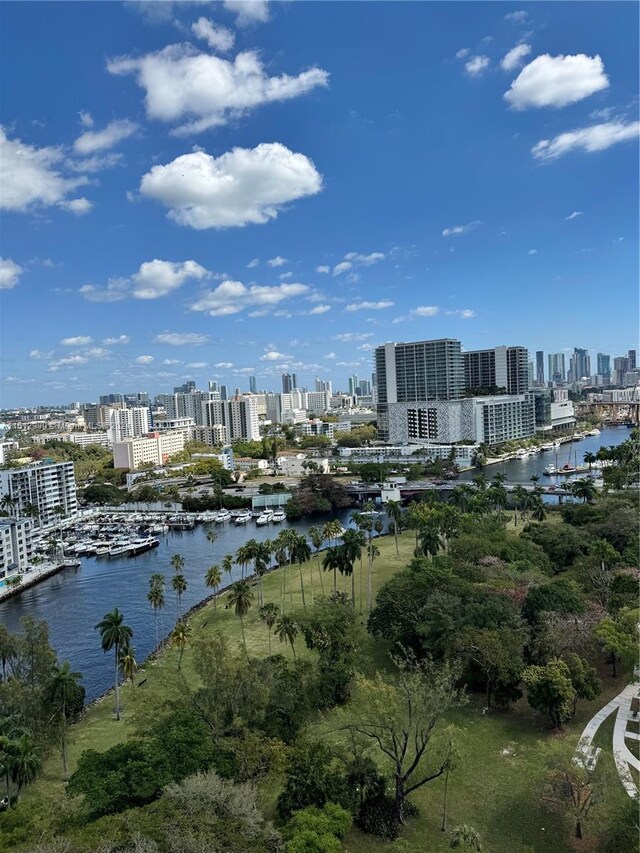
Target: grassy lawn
[494,788]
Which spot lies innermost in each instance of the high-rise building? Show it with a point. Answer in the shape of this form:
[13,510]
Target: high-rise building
[539,367]
[110,399]
[353,384]
[239,416]
[500,367]
[213,385]
[557,372]
[604,365]
[46,486]
[324,385]
[417,371]
[288,382]
[580,364]
[631,355]
[253,385]
[129,423]
[224,392]
[156,448]
[188,386]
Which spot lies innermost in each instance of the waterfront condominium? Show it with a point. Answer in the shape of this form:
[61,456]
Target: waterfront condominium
[500,367]
[46,487]
[418,371]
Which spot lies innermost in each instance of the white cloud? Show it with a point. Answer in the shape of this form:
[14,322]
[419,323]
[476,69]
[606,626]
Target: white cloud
[158,278]
[85,119]
[320,309]
[170,361]
[277,262]
[323,269]
[116,289]
[349,337]
[532,252]
[248,11]
[369,306]
[77,206]
[342,267]
[179,339]
[254,263]
[354,259]
[598,137]
[513,59]
[463,313]
[517,17]
[39,354]
[425,311]
[68,361]
[100,140]
[285,275]
[232,297]
[217,37]
[464,51]
[77,341]
[460,229]
[10,273]
[196,365]
[97,352]
[573,215]
[224,364]
[244,186]
[477,65]
[182,84]
[273,355]
[555,81]
[144,359]
[119,339]
[30,176]
[330,356]
[96,163]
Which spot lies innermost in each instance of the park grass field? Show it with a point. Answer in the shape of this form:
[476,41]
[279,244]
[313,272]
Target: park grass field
[494,788]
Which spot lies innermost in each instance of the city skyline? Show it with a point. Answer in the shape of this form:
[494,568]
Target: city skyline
[505,212]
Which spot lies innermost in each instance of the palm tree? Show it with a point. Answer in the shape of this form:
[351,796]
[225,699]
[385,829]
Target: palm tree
[211,537]
[127,662]
[63,687]
[241,599]
[25,762]
[394,511]
[332,562]
[244,556]
[114,634]
[155,597]
[180,637]
[301,553]
[261,560]
[10,731]
[179,586]
[498,479]
[538,509]
[281,553]
[584,489]
[177,563]
[287,631]
[460,496]
[519,495]
[480,482]
[589,458]
[31,511]
[352,543]
[429,539]
[269,613]
[372,552]
[534,478]
[315,535]
[212,578]
[332,530]
[8,504]
[227,564]
[605,552]
[497,495]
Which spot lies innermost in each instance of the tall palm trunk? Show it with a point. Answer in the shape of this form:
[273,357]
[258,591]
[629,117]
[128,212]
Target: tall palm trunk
[353,586]
[293,649]
[244,641]
[269,629]
[320,573]
[360,584]
[117,649]
[65,759]
[304,604]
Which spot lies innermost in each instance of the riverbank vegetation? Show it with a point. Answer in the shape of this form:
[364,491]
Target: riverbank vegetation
[428,686]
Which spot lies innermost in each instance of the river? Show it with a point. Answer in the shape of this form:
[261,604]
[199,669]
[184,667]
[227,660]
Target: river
[73,601]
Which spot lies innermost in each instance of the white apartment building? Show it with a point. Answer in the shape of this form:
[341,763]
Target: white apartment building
[46,486]
[84,439]
[129,423]
[248,463]
[15,547]
[212,435]
[5,448]
[297,464]
[239,416]
[409,453]
[318,401]
[186,426]
[156,448]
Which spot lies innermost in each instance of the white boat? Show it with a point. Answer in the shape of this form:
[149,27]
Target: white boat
[594,431]
[139,546]
[522,454]
[206,517]
[278,516]
[548,446]
[119,548]
[242,517]
[264,517]
[222,516]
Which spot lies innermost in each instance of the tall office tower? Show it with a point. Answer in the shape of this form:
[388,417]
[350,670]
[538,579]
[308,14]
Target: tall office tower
[224,393]
[530,374]
[557,371]
[287,383]
[539,367]
[253,385]
[213,385]
[110,399]
[353,384]
[580,364]
[604,365]
[324,385]
[631,355]
[374,380]
[418,371]
[364,388]
[501,367]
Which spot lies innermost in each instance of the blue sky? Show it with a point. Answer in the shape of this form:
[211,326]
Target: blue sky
[212,190]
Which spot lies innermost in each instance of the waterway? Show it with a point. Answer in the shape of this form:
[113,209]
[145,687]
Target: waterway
[73,601]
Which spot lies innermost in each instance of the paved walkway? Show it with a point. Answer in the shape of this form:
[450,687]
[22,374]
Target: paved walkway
[622,755]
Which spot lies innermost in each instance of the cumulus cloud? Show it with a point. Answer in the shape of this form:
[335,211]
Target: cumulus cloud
[243,186]
[462,313]
[277,262]
[513,59]
[232,297]
[97,163]
[10,273]
[354,259]
[224,364]
[517,17]
[349,337]
[323,269]
[555,81]
[77,341]
[254,263]
[39,354]
[77,206]
[273,355]
[217,37]
[67,361]
[320,309]
[460,229]
[158,278]
[425,311]
[144,359]
[31,177]
[477,65]
[100,140]
[204,91]
[248,11]
[597,137]
[180,339]
[196,365]
[118,339]
[573,215]
[464,51]
[170,361]
[369,306]
[115,290]
[330,356]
